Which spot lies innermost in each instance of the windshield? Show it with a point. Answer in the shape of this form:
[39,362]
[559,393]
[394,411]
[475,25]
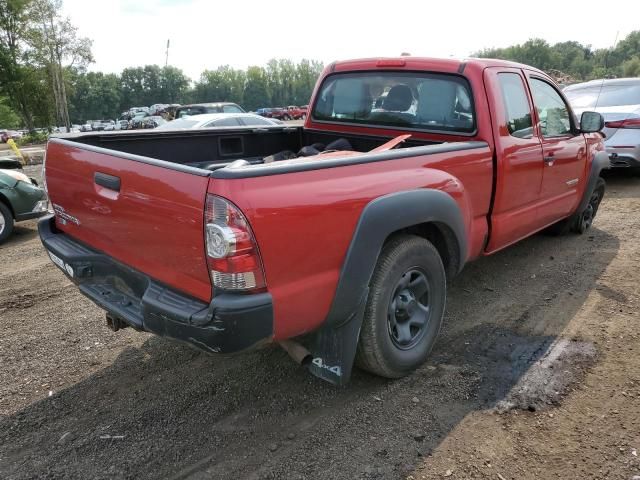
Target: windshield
[397,99]
[607,96]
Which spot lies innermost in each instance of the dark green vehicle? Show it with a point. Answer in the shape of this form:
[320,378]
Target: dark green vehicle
[20,199]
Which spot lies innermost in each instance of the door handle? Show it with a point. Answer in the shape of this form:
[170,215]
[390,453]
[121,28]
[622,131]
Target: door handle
[549,159]
[107,181]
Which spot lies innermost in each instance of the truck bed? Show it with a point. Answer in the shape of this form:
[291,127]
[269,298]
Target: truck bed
[213,149]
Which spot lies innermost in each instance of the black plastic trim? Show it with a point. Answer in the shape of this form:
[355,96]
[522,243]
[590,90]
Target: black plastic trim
[334,344]
[379,219]
[229,323]
[600,162]
[107,181]
[29,216]
[318,163]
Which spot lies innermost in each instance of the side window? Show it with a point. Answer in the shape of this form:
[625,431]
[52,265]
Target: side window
[516,104]
[251,121]
[231,109]
[552,111]
[224,122]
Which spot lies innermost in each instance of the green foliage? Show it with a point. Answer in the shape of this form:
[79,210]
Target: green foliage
[572,60]
[222,84]
[95,95]
[33,138]
[280,83]
[144,86]
[8,118]
[631,68]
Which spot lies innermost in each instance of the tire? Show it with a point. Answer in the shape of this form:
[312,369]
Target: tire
[286,118]
[303,116]
[580,222]
[6,222]
[400,324]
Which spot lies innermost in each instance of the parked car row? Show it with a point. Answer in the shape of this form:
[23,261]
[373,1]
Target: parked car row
[291,112]
[5,135]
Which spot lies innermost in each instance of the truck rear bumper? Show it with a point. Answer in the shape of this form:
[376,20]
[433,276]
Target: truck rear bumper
[229,324]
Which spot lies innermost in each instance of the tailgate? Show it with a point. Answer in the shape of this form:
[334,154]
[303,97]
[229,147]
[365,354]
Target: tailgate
[147,214]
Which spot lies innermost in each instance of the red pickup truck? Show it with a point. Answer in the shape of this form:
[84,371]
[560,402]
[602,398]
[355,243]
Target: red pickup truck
[335,239]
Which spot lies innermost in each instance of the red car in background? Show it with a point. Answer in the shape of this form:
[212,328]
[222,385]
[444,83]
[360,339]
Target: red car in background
[279,113]
[297,112]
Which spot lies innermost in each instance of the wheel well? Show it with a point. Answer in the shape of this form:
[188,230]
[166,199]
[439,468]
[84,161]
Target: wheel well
[443,238]
[6,201]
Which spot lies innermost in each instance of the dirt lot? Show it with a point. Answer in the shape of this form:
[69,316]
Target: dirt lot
[536,375]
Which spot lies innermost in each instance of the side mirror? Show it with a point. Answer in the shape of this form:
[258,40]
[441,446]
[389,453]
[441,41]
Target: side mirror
[591,122]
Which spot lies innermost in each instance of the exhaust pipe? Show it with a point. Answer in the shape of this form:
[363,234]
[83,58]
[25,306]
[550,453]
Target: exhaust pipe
[115,323]
[296,351]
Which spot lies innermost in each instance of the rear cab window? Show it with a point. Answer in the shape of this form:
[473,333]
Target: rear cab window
[189,111]
[405,100]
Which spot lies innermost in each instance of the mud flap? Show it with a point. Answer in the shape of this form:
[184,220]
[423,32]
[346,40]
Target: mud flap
[333,348]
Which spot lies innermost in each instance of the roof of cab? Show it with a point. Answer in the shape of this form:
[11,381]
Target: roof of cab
[424,63]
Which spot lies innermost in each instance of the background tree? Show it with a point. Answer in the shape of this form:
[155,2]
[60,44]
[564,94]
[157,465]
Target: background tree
[8,118]
[94,96]
[17,77]
[577,61]
[224,84]
[256,88]
[174,85]
[55,44]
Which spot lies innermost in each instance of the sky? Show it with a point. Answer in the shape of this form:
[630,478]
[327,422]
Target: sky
[205,34]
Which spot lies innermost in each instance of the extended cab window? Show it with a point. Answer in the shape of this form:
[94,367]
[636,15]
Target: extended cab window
[397,99]
[516,103]
[552,111]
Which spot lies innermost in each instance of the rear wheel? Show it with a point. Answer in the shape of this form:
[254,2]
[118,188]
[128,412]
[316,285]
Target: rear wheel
[6,222]
[405,307]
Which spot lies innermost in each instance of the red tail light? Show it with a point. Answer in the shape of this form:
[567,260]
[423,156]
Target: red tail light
[232,252]
[628,123]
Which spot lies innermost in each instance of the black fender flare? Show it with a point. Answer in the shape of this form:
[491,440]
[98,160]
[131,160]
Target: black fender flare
[600,162]
[335,343]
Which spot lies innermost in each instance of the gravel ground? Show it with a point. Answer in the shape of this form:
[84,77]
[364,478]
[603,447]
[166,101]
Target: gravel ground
[536,375]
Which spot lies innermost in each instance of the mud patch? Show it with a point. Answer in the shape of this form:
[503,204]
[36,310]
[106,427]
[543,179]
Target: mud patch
[551,377]
[26,300]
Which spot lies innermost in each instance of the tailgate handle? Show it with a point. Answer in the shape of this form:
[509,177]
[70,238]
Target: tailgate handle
[107,181]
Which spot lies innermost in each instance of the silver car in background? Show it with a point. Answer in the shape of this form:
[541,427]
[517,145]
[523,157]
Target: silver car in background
[215,120]
[618,100]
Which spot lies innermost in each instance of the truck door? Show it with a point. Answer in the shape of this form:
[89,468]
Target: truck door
[519,164]
[564,152]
